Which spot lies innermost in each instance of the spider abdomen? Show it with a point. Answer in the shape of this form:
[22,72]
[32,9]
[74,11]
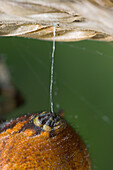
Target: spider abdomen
[24,145]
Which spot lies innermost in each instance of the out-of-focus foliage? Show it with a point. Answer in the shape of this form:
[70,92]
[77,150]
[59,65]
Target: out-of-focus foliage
[10,97]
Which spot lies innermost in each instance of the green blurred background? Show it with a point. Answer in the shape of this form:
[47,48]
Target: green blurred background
[83,87]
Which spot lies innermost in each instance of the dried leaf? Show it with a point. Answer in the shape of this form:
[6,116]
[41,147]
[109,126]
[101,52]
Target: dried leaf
[74,19]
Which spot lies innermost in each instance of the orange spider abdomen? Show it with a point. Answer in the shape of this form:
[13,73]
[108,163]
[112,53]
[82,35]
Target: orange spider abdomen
[42,142]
